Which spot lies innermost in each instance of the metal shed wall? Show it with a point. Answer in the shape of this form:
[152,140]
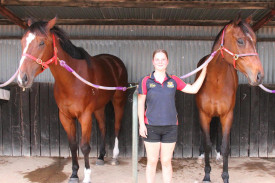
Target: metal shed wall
[136,54]
[126,42]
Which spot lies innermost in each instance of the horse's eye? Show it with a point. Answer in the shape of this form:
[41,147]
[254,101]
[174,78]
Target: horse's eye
[41,43]
[240,41]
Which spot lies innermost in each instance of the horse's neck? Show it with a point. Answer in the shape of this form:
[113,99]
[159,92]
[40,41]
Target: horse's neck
[60,74]
[220,69]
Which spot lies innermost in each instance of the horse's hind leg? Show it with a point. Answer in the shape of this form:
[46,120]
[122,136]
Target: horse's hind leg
[226,122]
[118,101]
[219,157]
[201,149]
[70,128]
[86,129]
[100,117]
[205,126]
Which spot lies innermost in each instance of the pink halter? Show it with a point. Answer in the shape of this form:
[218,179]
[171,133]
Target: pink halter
[235,56]
[44,65]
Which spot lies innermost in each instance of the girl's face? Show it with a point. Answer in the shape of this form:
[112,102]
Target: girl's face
[160,61]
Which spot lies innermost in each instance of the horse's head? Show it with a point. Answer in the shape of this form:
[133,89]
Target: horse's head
[238,47]
[37,50]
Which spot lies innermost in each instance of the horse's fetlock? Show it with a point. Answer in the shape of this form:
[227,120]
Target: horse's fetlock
[207,169]
[225,175]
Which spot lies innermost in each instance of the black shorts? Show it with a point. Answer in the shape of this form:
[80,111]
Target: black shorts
[164,134]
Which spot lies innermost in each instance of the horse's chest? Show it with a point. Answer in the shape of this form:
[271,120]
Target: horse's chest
[217,102]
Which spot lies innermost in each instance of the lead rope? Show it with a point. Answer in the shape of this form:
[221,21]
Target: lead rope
[69,69]
[10,80]
[266,89]
[202,66]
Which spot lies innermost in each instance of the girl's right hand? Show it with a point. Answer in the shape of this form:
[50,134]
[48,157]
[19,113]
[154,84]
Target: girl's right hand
[143,131]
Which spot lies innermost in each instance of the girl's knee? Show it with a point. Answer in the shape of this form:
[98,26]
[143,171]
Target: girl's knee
[152,161]
[166,162]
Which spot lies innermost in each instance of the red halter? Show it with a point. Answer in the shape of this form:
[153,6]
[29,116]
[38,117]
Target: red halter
[45,65]
[235,56]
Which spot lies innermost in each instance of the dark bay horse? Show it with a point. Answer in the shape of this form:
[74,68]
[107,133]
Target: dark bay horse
[43,45]
[236,45]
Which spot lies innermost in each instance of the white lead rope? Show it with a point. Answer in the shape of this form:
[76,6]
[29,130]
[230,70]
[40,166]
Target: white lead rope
[10,80]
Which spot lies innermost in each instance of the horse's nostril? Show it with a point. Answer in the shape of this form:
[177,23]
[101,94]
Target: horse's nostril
[259,77]
[25,79]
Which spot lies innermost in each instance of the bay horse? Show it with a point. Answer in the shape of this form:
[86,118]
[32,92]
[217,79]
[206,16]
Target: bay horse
[75,100]
[236,50]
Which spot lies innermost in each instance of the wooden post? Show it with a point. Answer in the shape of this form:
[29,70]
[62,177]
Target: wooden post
[134,139]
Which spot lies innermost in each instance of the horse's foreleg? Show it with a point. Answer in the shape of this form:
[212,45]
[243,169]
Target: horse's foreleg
[226,122]
[70,128]
[205,126]
[100,117]
[118,103]
[86,129]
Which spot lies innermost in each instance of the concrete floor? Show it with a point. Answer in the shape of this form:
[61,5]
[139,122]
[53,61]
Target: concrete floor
[58,170]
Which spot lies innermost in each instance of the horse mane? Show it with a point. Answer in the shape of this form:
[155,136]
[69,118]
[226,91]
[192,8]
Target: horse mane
[242,24]
[66,44]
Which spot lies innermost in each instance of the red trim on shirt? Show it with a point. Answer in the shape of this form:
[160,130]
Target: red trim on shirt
[180,84]
[144,88]
[145,119]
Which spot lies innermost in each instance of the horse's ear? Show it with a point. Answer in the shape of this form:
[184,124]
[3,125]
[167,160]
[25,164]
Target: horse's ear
[237,20]
[51,23]
[30,21]
[248,19]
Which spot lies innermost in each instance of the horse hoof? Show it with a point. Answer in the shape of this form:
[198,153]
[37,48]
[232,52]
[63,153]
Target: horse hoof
[114,162]
[86,182]
[206,179]
[73,180]
[99,162]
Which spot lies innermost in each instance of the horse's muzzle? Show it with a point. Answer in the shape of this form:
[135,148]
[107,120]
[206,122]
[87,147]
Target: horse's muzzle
[260,78]
[24,81]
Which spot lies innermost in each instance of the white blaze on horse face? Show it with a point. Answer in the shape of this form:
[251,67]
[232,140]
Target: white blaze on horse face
[29,39]
[116,150]
[251,39]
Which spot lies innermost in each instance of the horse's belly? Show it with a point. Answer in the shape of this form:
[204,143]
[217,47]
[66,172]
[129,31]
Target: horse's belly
[75,104]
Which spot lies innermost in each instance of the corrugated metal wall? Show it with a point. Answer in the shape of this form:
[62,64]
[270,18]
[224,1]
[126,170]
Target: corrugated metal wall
[137,54]
[208,32]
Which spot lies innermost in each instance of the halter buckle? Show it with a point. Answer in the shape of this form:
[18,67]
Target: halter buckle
[39,61]
[235,57]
